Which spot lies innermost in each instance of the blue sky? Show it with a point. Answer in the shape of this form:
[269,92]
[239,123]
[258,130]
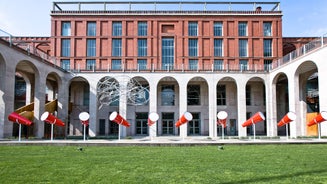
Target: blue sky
[301,18]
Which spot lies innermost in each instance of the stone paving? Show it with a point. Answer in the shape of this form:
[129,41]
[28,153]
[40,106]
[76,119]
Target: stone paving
[161,141]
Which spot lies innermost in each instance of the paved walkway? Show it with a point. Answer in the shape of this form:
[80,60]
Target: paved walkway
[161,141]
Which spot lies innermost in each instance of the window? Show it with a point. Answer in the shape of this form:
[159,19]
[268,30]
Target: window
[242,29]
[193,64]
[167,95]
[90,64]
[218,29]
[267,29]
[141,63]
[113,127]
[193,95]
[167,53]
[102,127]
[221,95]
[193,28]
[142,47]
[91,28]
[116,64]
[65,29]
[243,48]
[218,47]
[142,28]
[116,47]
[194,126]
[243,64]
[168,123]
[193,47]
[65,47]
[141,120]
[91,48]
[218,64]
[65,64]
[267,47]
[116,29]
[267,64]
[248,94]
[86,95]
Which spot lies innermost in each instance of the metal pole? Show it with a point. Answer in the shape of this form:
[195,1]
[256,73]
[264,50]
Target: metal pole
[287,131]
[20,132]
[84,131]
[52,131]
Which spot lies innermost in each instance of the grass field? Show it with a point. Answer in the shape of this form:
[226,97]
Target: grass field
[305,163]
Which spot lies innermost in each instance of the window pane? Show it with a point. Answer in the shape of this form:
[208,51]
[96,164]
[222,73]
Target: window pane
[218,47]
[267,49]
[116,47]
[65,64]
[243,48]
[167,53]
[267,65]
[90,64]
[218,29]
[193,28]
[167,95]
[218,64]
[116,64]
[267,29]
[221,95]
[141,64]
[91,29]
[248,95]
[116,29]
[142,29]
[91,47]
[193,64]
[193,47]
[65,29]
[243,64]
[193,95]
[65,47]
[242,29]
[142,47]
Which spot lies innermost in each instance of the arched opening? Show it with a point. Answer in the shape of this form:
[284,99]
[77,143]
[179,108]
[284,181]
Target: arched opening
[256,102]
[168,106]
[79,101]
[227,101]
[198,106]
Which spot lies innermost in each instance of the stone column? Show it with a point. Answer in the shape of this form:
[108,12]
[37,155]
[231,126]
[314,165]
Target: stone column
[212,109]
[63,102]
[182,107]
[241,107]
[39,103]
[294,104]
[93,109]
[271,107]
[123,106]
[153,106]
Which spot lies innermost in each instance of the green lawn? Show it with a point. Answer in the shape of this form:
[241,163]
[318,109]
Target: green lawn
[305,163]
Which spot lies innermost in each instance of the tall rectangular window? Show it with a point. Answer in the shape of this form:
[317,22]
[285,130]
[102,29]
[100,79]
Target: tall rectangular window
[267,64]
[141,120]
[90,64]
[91,28]
[142,47]
[267,48]
[65,47]
[116,64]
[218,29]
[142,28]
[116,47]
[193,47]
[193,95]
[218,64]
[65,29]
[243,64]
[193,28]
[167,95]
[117,29]
[242,29]
[91,48]
[243,48]
[86,95]
[221,95]
[141,63]
[167,53]
[267,29]
[248,94]
[193,64]
[65,64]
[218,47]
